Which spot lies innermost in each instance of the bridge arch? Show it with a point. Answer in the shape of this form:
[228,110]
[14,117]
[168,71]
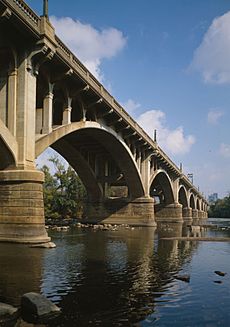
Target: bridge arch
[192,202]
[73,141]
[198,207]
[161,187]
[182,196]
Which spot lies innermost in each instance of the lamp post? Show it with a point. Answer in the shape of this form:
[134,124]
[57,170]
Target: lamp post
[45,8]
[190,176]
[155,135]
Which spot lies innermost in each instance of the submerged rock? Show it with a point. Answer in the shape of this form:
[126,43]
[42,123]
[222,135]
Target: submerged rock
[184,278]
[8,314]
[48,245]
[36,307]
[220,273]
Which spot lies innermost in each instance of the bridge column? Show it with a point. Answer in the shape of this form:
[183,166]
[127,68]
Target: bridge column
[12,89]
[171,212]
[26,112]
[67,113]
[202,214]
[48,111]
[21,207]
[145,171]
[136,212]
[194,213]
[187,213]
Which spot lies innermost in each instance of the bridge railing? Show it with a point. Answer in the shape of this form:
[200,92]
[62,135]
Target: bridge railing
[25,12]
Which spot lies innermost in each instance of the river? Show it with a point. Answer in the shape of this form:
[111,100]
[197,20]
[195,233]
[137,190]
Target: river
[125,277]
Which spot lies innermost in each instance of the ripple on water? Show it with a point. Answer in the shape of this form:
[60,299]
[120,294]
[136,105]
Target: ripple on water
[123,278]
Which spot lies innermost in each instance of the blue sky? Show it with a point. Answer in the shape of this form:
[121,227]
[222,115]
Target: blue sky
[167,62]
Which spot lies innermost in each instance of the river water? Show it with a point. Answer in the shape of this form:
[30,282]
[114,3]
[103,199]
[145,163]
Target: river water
[124,277]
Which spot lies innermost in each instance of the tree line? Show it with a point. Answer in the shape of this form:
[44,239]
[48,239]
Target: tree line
[220,208]
[64,194]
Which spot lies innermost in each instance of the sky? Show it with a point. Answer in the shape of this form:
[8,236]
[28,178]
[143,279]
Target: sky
[168,64]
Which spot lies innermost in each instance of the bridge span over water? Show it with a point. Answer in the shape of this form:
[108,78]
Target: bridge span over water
[48,98]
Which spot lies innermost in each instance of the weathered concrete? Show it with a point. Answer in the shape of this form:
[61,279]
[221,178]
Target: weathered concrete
[187,214]
[194,213]
[138,212]
[170,213]
[21,207]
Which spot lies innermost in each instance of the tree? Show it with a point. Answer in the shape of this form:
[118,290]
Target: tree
[64,193]
[220,208]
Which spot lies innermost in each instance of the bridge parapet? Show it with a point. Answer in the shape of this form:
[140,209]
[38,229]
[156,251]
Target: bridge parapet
[24,12]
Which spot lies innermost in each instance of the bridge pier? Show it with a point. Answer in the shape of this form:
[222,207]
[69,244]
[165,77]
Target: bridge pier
[21,207]
[137,212]
[170,213]
[194,213]
[202,214]
[187,214]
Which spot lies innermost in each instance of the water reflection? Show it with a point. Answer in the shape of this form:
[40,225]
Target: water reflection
[122,274]
[101,278]
[21,271]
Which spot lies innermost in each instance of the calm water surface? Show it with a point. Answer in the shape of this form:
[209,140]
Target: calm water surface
[124,277]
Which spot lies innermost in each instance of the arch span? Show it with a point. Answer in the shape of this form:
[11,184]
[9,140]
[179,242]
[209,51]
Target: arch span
[182,196]
[162,190]
[161,187]
[192,202]
[73,141]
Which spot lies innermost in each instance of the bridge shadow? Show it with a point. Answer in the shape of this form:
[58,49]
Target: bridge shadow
[98,278]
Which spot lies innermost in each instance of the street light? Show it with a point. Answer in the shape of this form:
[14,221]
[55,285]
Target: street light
[190,176]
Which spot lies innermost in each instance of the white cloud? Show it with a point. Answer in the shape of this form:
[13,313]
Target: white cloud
[131,106]
[173,141]
[214,116]
[225,150]
[211,58]
[89,44]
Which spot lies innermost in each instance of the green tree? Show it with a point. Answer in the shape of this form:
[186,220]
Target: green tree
[64,193]
[220,208]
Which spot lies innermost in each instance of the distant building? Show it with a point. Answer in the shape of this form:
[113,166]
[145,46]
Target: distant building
[213,197]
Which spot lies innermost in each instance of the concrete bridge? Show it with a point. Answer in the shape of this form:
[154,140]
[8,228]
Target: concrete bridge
[49,99]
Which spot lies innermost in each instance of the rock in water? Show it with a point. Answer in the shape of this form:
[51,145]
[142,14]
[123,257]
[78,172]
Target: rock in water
[184,278]
[36,307]
[48,245]
[220,273]
[8,313]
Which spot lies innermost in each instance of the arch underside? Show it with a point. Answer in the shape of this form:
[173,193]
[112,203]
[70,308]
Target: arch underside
[183,197]
[192,201]
[161,190]
[100,160]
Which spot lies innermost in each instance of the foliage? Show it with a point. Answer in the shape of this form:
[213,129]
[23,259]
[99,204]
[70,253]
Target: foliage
[64,193]
[220,208]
